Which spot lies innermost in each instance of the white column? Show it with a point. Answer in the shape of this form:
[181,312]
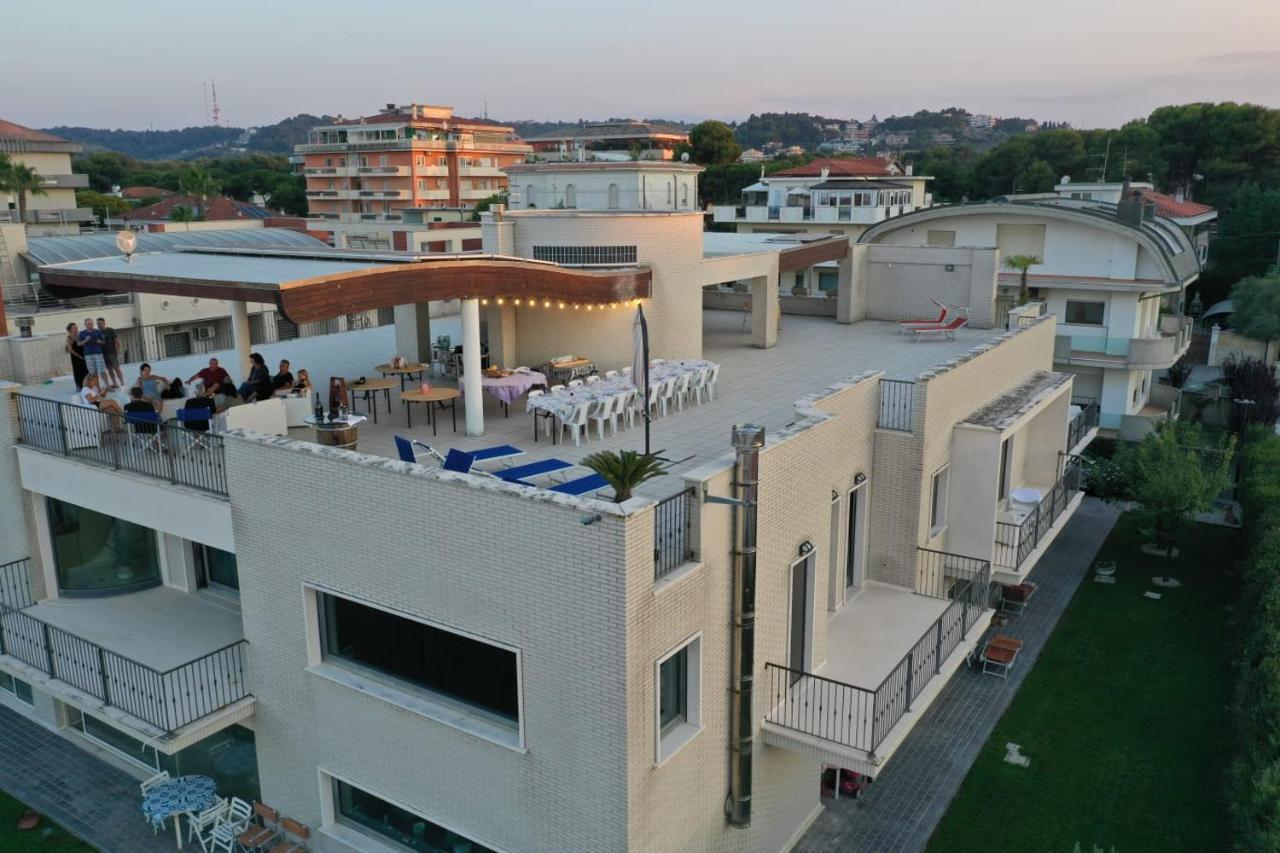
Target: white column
[471,387]
[240,334]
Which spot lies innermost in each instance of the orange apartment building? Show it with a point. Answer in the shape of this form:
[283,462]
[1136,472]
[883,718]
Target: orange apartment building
[383,181]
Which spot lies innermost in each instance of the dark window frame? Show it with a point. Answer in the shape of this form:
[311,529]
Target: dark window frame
[1091,303]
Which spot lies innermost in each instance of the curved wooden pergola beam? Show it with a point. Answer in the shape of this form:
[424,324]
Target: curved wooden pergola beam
[379,286]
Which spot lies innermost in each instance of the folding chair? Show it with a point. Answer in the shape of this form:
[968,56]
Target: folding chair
[1014,598]
[144,430]
[999,654]
[533,469]
[195,435]
[581,486]
[296,836]
[257,836]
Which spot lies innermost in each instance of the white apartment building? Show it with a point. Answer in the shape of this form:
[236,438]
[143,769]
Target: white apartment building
[830,196]
[592,185]
[424,660]
[1113,271]
[54,210]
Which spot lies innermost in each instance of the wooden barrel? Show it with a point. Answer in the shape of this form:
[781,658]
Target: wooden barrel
[338,435]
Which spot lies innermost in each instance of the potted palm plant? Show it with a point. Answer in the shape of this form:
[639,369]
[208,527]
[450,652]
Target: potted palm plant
[624,470]
[1020,264]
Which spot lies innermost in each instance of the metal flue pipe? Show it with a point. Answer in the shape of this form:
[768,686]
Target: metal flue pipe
[747,441]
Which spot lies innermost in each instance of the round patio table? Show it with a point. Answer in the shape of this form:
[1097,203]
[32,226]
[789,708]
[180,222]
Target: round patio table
[184,795]
[403,372]
[435,398]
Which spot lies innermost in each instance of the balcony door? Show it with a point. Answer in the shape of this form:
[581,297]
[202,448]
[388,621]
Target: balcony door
[799,653]
[855,553]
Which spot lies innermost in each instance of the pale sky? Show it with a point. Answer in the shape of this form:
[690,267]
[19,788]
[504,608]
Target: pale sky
[1090,62]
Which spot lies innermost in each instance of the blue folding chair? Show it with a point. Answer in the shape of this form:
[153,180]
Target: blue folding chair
[144,430]
[581,486]
[405,447]
[533,469]
[195,423]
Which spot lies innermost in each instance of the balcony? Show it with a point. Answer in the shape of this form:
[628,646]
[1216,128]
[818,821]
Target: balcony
[1021,530]
[159,662]
[64,182]
[383,171]
[1154,352]
[822,214]
[1164,404]
[1083,425]
[49,216]
[889,653]
[481,172]
[174,454]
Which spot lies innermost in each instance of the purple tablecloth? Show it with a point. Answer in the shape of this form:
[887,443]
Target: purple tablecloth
[509,388]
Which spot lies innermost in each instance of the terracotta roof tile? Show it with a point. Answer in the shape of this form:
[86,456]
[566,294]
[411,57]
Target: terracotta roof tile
[9,130]
[1170,208]
[145,192]
[219,208]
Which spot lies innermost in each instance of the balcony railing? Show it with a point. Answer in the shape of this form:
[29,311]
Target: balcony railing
[62,215]
[1083,421]
[1015,542]
[15,584]
[181,456]
[168,699]
[672,542]
[861,717]
[896,403]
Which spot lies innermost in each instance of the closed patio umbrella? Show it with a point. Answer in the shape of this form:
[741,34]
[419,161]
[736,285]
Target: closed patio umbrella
[640,366]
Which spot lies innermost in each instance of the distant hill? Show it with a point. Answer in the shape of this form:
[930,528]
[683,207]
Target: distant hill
[191,142]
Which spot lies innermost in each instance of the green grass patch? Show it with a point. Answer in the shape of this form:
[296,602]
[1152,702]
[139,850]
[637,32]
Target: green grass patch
[1125,717]
[48,837]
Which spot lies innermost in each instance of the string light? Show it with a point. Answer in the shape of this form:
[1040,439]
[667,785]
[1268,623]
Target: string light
[484,301]
[546,303]
[561,306]
[517,302]
[499,300]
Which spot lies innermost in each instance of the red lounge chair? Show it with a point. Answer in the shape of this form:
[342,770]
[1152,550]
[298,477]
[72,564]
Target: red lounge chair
[1015,597]
[946,330]
[905,325]
[999,655]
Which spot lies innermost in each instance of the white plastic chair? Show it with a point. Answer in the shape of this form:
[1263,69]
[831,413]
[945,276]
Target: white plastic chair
[680,389]
[655,398]
[592,379]
[603,413]
[555,389]
[654,362]
[146,785]
[200,826]
[611,374]
[575,383]
[625,373]
[697,386]
[626,407]
[235,820]
[713,378]
[667,391]
[576,422]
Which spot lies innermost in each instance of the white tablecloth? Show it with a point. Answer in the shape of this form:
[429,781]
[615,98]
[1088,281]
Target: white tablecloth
[561,403]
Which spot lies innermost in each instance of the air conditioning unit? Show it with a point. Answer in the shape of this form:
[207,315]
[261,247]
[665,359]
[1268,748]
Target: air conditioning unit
[205,333]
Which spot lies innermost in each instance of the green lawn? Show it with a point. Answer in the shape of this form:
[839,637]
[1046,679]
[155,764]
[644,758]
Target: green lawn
[1124,718]
[46,838]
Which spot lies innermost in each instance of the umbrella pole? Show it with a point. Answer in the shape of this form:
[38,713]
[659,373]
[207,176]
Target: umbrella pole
[644,327]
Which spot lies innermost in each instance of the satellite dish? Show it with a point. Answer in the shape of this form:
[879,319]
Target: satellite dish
[684,157]
[127,242]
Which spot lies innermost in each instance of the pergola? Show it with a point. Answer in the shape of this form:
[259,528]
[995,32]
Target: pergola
[315,285]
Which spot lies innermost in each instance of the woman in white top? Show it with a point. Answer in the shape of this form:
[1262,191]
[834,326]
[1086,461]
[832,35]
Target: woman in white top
[91,395]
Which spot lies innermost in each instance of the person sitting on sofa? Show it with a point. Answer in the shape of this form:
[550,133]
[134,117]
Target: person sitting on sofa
[258,385]
[151,386]
[91,395]
[282,382]
[302,387]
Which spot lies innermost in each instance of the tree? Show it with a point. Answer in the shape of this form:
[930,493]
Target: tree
[1174,474]
[1037,177]
[182,213]
[1255,394]
[487,202]
[1255,304]
[1020,264]
[199,183]
[712,142]
[289,195]
[1245,245]
[21,181]
[105,169]
[106,205]
[624,470]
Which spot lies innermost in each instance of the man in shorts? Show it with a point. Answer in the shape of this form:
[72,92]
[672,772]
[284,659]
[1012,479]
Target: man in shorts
[91,342]
[111,353]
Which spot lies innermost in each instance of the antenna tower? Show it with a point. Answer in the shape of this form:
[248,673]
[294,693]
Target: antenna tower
[217,113]
[204,84]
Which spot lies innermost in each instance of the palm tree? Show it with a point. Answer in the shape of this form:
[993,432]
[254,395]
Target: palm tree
[199,183]
[182,213]
[21,181]
[624,471]
[1020,264]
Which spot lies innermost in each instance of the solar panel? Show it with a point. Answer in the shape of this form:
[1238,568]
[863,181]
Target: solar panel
[56,250]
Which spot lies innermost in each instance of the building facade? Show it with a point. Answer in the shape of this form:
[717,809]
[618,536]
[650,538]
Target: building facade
[364,175]
[54,209]
[1110,266]
[612,141]
[452,661]
[634,185]
[840,196]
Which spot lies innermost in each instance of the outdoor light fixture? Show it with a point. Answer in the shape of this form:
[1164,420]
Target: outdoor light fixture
[859,478]
[806,548]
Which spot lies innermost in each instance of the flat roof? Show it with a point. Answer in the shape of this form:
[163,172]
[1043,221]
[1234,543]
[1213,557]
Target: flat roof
[716,244]
[196,267]
[1005,410]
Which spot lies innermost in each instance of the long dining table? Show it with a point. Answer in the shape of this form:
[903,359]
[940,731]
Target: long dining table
[561,403]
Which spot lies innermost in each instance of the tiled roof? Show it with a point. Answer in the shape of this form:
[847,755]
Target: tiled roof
[1170,208]
[841,167]
[9,130]
[145,192]
[217,209]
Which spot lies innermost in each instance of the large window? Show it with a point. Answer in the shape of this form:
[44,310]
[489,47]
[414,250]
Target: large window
[479,675]
[215,568]
[679,712]
[17,687]
[940,238]
[1086,313]
[1020,240]
[361,809]
[938,501]
[96,554]
[608,255]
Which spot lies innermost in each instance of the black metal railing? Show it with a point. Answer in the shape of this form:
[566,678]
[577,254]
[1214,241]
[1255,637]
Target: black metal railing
[1083,421]
[672,533]
[15,583]
[165,451]
[168,699]
[861,717]
[1015,542]
[896,399]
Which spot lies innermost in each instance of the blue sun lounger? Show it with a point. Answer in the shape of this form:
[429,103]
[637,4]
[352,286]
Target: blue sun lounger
[581,486]
[533,469]
[459,461]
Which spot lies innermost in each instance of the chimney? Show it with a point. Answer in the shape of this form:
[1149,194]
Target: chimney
[1180,195]
[911,169]
[826,170]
